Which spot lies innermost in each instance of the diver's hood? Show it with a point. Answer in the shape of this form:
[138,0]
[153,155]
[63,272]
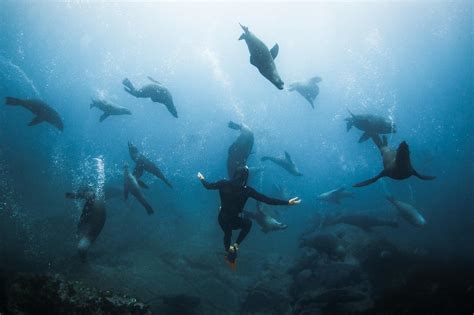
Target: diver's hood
[241,175]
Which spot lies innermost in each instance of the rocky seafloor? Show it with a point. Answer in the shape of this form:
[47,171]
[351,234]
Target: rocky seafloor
[338,270]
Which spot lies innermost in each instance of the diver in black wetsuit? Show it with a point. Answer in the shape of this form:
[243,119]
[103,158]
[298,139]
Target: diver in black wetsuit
[234,194]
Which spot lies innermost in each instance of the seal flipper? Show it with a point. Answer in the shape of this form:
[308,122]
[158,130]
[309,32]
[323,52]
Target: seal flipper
[365,136]
[274,51]
[370,181]
[128,87]
[423,177]
[145,204]
[103,117]
[288,157]
[153,80]
[36,120]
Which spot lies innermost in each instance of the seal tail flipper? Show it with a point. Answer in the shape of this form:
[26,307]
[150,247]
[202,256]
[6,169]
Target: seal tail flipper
[423,177]
[128,86]
[365,136]
[145,204]
[35,121]
[172,109]
[274,51]
[233,125]
[349,123]
[13,101]
[94,103]
[103,117]
[369,181]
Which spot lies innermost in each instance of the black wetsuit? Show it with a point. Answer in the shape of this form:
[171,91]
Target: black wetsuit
[233,199]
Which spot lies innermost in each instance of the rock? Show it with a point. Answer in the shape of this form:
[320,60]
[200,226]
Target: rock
[43,294]
[265,301]
[178,304]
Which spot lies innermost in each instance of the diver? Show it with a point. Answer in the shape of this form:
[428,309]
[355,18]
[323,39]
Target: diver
[234,194]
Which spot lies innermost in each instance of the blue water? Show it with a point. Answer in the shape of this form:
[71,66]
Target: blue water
[409,61]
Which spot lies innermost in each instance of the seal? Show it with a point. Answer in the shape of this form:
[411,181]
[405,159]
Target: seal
[262,58]
[361,220]
[396,163]
[109,109]
[130,185]
[266,222]
[286,163]
[309,89]
[240,149]
[43,112]
[408,212]
[144,164]
[156,91]
[92,219]
[335,195]
[371,125]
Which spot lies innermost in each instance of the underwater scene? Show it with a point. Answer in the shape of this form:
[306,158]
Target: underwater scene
[267,157]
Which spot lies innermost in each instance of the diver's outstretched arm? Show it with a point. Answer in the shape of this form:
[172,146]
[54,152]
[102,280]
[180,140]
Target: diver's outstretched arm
[268,200]
[207,185]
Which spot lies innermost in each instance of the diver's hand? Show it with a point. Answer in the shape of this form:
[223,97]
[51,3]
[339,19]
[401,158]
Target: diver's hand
[294,201]
[200,176]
